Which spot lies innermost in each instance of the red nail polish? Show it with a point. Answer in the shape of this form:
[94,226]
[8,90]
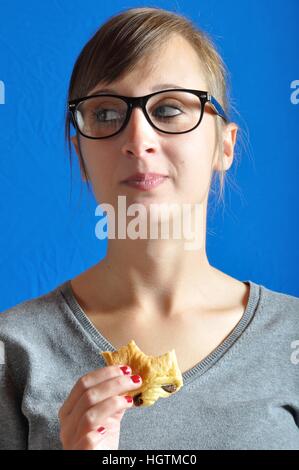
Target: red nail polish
[126,370]
[101,430]
[136,379]
[129,399]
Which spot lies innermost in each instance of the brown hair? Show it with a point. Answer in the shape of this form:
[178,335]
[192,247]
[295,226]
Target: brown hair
[127,38]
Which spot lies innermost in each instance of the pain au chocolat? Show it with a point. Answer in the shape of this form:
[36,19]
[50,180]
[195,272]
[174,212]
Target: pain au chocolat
[161,376]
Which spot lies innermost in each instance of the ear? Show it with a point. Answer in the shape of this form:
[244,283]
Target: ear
[74,140]
[229,140]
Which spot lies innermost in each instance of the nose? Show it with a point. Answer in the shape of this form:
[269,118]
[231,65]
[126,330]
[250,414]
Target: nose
[140,138]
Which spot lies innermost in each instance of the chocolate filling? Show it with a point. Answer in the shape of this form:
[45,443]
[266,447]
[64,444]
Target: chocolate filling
[138,400]
[170,388]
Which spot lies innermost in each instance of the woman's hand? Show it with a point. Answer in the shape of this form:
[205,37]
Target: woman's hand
[96,402]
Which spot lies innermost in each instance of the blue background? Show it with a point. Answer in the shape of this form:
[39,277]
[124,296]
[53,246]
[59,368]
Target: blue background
[47,232]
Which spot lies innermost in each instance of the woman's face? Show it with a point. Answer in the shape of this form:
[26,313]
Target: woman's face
[188,159]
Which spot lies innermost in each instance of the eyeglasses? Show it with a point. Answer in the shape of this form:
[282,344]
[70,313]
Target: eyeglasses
[173,111]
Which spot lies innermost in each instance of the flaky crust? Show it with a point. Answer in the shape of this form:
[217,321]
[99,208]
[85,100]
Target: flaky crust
[161,376]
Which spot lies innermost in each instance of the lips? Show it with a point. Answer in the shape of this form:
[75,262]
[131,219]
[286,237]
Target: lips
[144,177]
[145,181]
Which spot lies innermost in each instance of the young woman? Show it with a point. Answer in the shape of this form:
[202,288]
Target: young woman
[148,100]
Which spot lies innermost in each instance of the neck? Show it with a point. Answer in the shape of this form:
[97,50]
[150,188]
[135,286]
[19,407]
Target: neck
[153,276]
[146,275]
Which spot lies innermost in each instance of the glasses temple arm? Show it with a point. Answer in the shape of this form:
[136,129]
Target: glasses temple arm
[218,108]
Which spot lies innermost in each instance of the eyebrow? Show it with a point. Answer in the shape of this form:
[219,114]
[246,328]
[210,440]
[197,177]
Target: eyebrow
[154,88]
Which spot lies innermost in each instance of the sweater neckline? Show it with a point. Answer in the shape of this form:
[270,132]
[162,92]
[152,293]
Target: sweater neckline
[199,368]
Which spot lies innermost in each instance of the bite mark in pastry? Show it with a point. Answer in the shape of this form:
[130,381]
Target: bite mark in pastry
[161,376]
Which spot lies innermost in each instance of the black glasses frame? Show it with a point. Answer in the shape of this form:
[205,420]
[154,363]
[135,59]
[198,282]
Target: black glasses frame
[141,101]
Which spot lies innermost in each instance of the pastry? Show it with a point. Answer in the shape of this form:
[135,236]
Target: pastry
[161,376]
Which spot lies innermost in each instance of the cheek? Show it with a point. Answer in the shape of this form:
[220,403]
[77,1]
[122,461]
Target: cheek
[194,162]
[100,170]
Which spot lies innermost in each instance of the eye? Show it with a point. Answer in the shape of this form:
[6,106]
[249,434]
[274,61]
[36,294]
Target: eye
[106,115]
[167,111]
[170,388]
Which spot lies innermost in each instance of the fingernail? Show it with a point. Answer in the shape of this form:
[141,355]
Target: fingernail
[101,430]
[126,370]
[136,379]
[129,399]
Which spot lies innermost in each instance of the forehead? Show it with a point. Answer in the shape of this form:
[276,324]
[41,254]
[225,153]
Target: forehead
[177,63]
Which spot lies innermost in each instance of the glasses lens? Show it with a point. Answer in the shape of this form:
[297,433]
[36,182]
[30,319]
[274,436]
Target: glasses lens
[174,111]
[100,116]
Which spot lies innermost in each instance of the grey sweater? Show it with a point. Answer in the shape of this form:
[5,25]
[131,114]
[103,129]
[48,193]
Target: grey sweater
[243,395]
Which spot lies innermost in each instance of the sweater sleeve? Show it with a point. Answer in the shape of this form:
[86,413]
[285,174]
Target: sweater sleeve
[13,424]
